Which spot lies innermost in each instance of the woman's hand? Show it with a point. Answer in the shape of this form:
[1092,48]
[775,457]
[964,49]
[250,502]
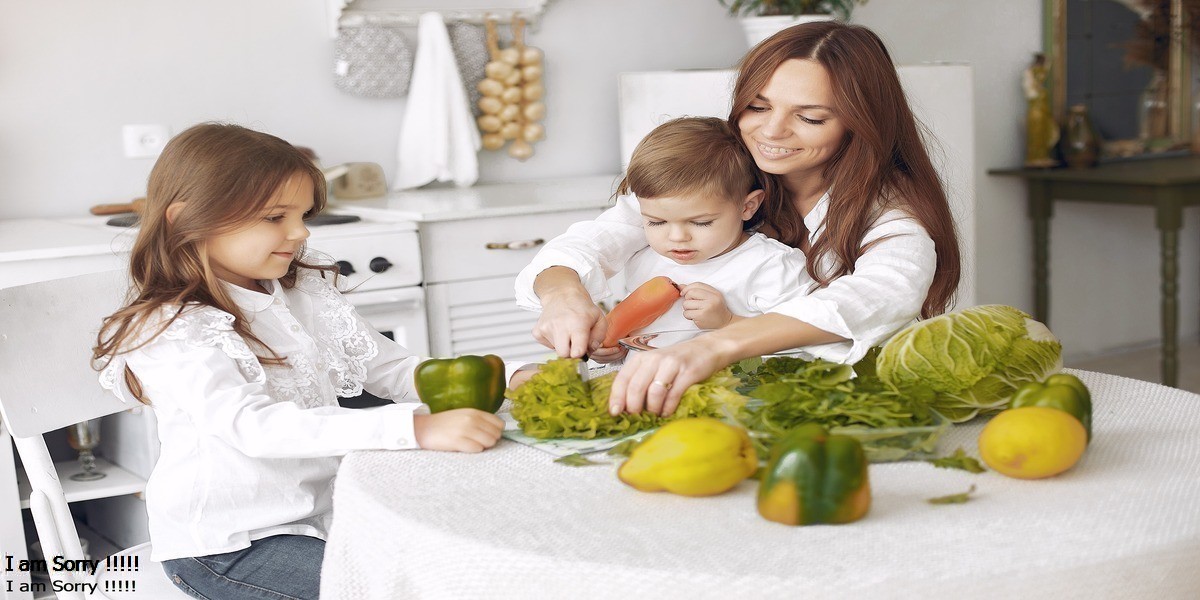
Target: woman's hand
[705,306]
[458,430]
[656,380]
[570,323]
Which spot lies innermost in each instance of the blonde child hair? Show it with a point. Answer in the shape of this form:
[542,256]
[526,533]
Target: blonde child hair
[224,175]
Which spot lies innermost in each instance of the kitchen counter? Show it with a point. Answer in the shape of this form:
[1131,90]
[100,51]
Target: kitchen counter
[486,200]
[33,239]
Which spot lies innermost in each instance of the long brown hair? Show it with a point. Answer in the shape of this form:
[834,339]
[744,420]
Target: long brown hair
[224,175]
[881,164]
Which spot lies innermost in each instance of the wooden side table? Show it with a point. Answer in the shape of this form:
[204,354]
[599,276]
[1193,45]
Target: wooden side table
[1167,184]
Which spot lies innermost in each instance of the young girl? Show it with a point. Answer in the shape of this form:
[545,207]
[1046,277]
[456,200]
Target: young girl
[242,348]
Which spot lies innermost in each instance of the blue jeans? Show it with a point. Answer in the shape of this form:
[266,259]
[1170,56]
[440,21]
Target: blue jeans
[281,567]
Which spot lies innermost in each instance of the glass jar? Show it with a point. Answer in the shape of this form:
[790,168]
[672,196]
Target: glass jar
[1081,145]
[1152,109]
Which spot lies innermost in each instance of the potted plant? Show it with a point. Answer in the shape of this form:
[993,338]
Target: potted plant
[762,18]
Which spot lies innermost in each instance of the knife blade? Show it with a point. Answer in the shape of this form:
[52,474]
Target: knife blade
[584,373]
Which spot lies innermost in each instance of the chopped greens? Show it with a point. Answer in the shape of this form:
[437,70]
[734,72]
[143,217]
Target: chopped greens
[954,498]
[554,403]
[788,391]
[958,460]
[624,449]
[577,460]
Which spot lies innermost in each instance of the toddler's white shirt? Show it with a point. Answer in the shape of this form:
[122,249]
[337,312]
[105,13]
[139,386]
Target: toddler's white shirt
[883,294]
[250,450]
[754,278]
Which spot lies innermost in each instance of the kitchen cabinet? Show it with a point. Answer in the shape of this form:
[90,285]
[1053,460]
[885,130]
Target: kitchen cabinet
[474,241]
[471,266]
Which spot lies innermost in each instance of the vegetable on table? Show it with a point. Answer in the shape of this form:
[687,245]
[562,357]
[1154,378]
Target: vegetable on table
[960,498]
[1032,442]
[555,403]
[1062,391]
[972,360]
[645,304]
[786,392]
[691,457]
[465,382]
[814,477]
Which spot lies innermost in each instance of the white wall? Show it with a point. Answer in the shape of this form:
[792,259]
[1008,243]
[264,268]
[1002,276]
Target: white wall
[72,72]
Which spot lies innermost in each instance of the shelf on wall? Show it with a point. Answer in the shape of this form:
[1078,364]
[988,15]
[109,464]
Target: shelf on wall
[117,483]
[406,13]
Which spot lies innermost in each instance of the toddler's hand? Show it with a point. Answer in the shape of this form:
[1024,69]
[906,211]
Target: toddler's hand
[705,306]
[608,355]
[458,430]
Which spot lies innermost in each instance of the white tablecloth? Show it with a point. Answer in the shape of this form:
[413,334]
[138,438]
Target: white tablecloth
[510,523]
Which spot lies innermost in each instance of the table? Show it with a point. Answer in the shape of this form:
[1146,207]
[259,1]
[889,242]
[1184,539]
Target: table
[1167,184]
[510,523]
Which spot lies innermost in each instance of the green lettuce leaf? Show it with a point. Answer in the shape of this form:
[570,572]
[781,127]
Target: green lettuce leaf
[970,361]
[555,404]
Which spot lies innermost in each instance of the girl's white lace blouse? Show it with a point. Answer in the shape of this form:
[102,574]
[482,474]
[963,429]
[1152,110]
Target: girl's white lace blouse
[250,451]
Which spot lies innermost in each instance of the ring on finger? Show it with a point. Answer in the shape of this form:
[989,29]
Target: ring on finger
[666,386]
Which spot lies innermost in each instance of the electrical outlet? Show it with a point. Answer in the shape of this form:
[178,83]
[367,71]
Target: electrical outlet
[144,141]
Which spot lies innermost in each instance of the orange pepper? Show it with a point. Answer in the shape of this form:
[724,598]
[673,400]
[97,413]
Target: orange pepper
[645,304]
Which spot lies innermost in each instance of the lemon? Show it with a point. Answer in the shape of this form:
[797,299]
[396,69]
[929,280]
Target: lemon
[1032,442]
[692,457]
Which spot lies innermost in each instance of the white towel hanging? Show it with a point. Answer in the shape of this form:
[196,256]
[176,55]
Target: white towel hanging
[438,137]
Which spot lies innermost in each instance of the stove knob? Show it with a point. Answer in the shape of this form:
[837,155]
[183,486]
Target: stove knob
[344,267]
[380,264]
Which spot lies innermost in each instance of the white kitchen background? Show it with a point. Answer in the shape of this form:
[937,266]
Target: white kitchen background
[73,72]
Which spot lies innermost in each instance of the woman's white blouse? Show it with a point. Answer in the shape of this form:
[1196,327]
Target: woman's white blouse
[883,294]
[250,450]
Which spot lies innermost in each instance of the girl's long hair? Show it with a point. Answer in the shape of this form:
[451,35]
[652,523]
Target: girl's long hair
[881,164]
[224,175]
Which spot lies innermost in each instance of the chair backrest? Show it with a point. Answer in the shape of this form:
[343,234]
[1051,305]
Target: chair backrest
[47,331]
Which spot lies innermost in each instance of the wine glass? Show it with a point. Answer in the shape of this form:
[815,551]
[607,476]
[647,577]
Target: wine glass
[84,437]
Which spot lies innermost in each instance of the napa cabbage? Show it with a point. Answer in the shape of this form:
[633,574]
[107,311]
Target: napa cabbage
[973,360]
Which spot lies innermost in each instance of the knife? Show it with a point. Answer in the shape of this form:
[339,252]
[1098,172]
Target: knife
[584,373]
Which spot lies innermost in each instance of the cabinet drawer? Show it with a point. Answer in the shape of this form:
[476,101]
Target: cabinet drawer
[489,247]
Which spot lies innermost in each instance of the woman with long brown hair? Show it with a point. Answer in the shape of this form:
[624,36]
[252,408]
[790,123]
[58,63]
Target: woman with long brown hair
[847,180]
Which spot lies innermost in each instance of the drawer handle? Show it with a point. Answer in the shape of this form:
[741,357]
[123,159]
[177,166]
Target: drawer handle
[518,245]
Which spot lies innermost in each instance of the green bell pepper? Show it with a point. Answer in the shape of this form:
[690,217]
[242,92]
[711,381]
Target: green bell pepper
[464,382]
[814,477]
[1062,391]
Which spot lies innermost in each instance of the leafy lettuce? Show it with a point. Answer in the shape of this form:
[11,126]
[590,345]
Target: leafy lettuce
[555,404]
[972,360]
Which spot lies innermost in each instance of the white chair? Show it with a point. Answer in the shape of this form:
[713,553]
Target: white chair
[46,383]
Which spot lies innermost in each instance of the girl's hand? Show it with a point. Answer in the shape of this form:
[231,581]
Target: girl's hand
[656,380]
[570,323]
[458,430]
[705,306]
